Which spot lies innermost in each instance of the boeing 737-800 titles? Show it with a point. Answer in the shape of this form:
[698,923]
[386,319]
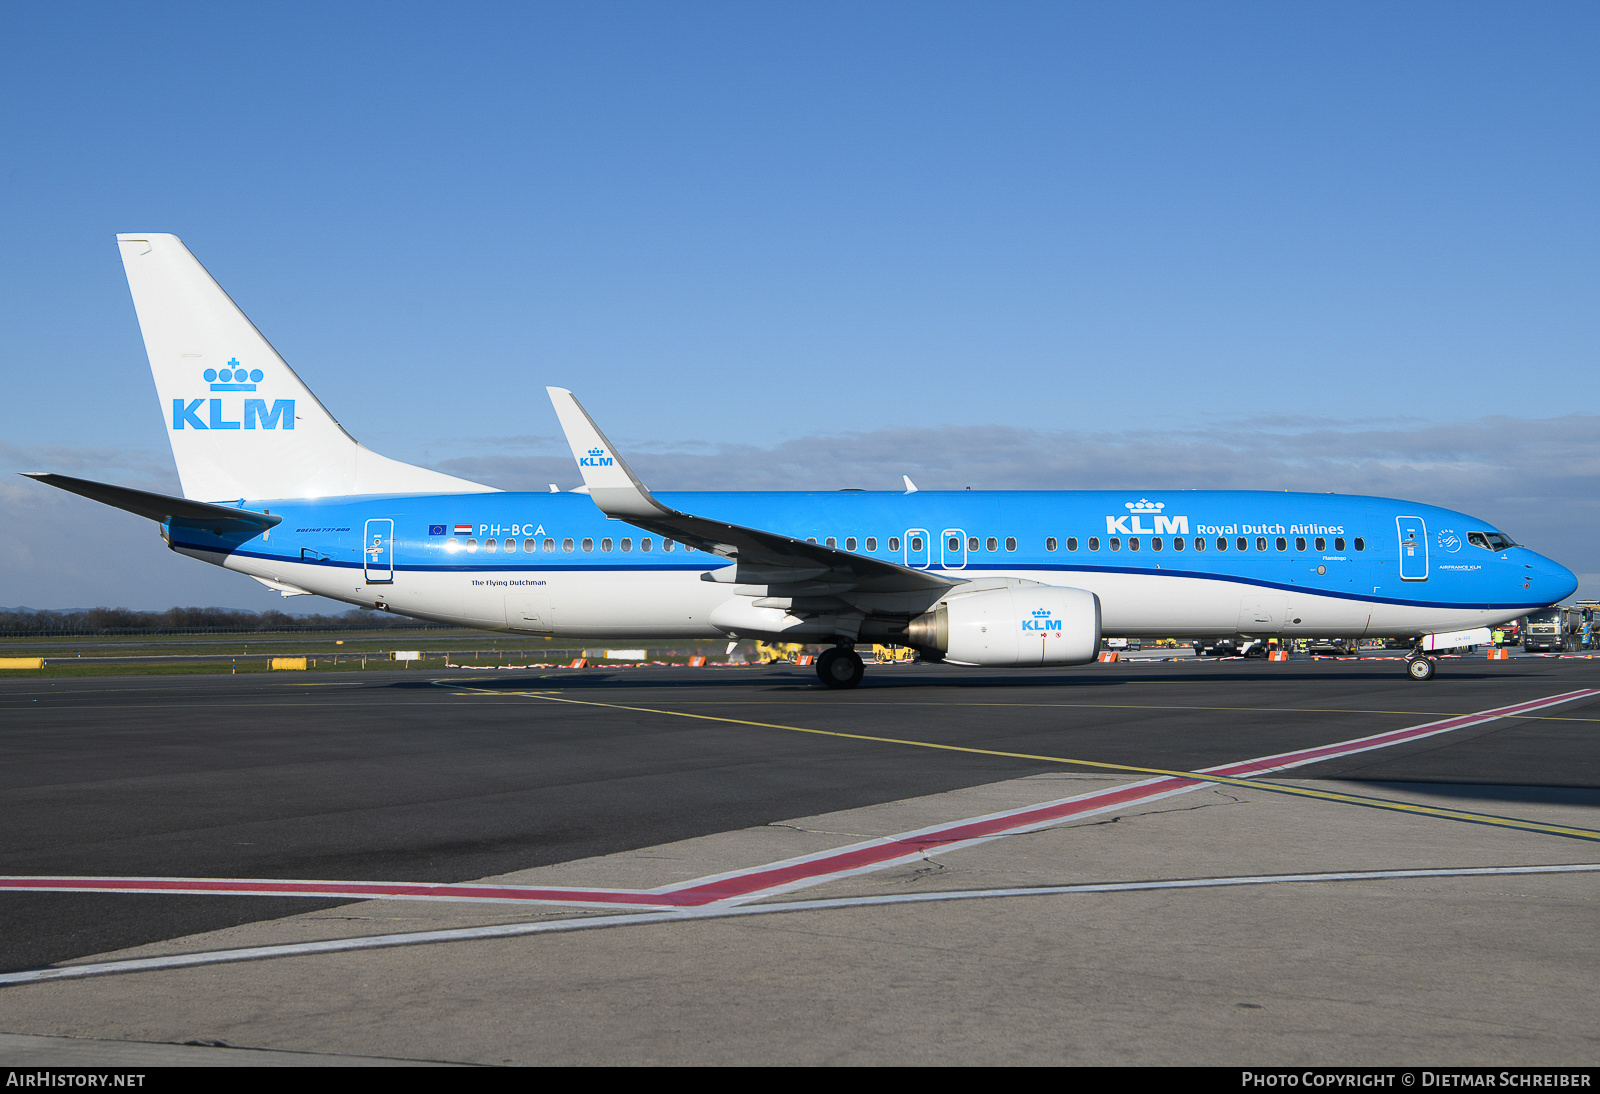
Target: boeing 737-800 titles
[275,489]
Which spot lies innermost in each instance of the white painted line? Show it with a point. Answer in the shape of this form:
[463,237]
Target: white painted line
[589,923]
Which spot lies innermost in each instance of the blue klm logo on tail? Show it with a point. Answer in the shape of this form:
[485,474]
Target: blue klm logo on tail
[596,458]
[233,378]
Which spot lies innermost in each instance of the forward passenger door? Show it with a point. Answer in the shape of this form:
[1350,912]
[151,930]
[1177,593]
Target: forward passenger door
[1413,533]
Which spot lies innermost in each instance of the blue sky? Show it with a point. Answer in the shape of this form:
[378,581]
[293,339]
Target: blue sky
[1319,246]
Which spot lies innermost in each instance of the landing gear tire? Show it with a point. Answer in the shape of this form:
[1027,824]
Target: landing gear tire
[1419,668]
[840,667]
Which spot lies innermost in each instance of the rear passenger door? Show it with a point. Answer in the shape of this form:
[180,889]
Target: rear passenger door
[378,551]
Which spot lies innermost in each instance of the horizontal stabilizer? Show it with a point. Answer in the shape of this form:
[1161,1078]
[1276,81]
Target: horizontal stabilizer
[160,507]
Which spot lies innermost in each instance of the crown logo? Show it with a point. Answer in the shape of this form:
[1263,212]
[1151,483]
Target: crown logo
[597,452]
[1144,506]
[1041,613]
[233,378]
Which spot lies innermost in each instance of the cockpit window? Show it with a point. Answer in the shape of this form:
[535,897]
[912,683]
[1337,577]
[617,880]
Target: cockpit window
[1490,541]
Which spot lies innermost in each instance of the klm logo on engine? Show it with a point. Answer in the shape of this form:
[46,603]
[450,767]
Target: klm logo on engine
[596,458]
[253,414]
[1041,621]
[1133,523]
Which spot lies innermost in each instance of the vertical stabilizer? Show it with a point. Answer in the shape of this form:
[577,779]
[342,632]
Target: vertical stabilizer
[242,424]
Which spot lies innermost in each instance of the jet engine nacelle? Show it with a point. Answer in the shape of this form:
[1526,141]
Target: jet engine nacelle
[1019,626]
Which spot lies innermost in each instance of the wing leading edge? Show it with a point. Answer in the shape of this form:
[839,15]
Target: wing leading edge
[789,567]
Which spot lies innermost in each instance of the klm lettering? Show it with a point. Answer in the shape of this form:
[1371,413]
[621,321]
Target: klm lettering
[185,414]
[1134,526]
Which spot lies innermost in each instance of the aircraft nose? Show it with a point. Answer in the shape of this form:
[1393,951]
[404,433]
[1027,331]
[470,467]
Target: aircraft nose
[1556,580]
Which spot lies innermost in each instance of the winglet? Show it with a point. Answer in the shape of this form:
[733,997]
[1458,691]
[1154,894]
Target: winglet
[911,487]
[610,481]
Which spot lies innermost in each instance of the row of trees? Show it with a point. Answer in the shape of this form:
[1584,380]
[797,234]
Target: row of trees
[123,621]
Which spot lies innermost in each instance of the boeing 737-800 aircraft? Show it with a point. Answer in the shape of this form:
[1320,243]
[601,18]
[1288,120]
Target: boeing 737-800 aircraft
[274,488]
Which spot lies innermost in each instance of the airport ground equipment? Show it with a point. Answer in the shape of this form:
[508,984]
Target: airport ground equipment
[1557,629]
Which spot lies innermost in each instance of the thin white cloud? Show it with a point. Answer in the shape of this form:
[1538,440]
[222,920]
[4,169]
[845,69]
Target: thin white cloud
[1534,478]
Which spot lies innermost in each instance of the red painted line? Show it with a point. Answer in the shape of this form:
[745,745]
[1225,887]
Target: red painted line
[790,872]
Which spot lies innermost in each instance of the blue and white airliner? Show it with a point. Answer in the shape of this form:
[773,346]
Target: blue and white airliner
[275,489]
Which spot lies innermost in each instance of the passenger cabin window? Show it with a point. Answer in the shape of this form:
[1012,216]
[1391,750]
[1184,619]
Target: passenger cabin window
[605,544]
[1114,543]
[1072,543]
[972,543]
[1283,544]
[894,543]
[1244,544]
[530,545]
[1049,543]
[830,542]
[472,546]
[549,546]
[1155,544]
[490,545]
[1177,543]
[1094,543]
[1011,543]
[849,543]
[1222,544]
[1322,544]
[1299,543]
[1361,544]
[1338,543]
[1261,543]
[1199,543]
[1133,543]
[916,543]
[646,543]
[588,545]
[511,545]
[872,543]
[452,545]
[993,544]
[666,545]
[626,545]
[954,544]
[566,546]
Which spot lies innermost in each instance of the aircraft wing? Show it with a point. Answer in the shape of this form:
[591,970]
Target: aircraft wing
[796,566]
[221,519]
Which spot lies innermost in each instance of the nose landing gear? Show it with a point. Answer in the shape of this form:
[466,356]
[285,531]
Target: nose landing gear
[1419,666]
[840,667]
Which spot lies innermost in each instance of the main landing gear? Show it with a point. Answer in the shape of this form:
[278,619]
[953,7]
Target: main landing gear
[840,667]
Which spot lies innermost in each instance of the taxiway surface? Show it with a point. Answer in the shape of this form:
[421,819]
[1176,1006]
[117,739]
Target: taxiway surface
[645,779]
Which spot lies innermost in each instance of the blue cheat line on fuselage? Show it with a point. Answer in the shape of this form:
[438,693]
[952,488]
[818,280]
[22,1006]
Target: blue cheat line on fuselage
[1255,538]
